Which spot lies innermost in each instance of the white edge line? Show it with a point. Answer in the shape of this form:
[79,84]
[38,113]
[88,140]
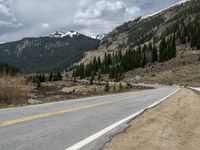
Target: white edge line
[195,88]
[109,128]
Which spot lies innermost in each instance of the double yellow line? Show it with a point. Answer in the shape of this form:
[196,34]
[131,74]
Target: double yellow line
[39,116]
[25,119]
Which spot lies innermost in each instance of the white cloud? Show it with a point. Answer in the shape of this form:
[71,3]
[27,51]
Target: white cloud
[45,25]
[22,18]
[104,14]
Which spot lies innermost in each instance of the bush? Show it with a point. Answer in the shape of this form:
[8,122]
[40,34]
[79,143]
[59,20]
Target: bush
[128,86]
[107,87]
[120,86]
[13,90]
[114,87]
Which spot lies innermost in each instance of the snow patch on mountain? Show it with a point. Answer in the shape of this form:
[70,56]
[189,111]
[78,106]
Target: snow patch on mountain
[155,13]
[98,37]
[2,42]
[60,34]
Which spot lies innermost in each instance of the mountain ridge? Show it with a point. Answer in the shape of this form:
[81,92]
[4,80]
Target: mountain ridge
[133,32]
[46,53]
[146,41]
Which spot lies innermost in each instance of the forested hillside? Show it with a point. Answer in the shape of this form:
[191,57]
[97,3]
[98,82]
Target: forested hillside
[145,40]
[45,54]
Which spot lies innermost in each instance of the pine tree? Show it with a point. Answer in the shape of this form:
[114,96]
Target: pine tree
[59,76]
[50,77]
[92,78]
[99,76]
[163,50]
[144,60]
[99,62]
[38,84]
[173,47]
[82,71]
[155,54]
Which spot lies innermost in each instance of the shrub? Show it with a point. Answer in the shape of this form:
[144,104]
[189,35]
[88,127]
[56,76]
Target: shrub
[128,86]
[120,86]
[13,89]
[107,87]
[114,87]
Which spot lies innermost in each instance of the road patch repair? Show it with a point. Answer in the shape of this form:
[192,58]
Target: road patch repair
[87,141]
[173,125]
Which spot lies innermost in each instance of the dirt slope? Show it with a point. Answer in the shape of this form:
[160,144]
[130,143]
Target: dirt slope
[174,125]
[182,70]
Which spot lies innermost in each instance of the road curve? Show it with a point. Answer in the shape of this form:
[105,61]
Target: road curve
[58,126]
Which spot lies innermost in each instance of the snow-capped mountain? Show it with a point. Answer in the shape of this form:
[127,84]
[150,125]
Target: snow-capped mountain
[49,53]
[98,37]
[60,34]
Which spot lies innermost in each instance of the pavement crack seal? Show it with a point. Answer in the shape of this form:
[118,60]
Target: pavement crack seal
[108,129]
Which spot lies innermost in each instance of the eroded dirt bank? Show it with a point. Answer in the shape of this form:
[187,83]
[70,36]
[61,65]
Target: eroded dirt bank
[174,125]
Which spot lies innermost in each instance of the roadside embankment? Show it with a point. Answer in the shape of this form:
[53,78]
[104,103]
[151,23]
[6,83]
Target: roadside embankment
[173,125]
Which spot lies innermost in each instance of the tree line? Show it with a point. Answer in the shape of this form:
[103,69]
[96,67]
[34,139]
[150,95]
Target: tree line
[117,63]
[40,78]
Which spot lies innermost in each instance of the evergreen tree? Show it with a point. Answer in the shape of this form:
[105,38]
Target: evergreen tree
[92,78]
[163,50]
[50,77]
[99,76]
[59,76]
[155,54]
[99,62]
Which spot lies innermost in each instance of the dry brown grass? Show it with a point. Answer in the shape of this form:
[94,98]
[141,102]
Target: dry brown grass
[13,90]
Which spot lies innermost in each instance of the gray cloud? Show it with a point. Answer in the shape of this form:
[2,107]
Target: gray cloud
[8,22]
[104,15]
[22,18]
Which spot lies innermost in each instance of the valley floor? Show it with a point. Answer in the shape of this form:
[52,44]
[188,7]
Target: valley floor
[172,125]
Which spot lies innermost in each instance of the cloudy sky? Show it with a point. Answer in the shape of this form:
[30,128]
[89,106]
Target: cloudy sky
[25,18]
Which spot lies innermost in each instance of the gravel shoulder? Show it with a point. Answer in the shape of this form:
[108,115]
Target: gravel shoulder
[173,125]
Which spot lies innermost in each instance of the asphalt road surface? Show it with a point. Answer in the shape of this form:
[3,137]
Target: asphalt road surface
[60,125]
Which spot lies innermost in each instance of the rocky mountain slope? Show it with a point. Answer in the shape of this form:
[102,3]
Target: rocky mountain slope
[55,52]
[151,28]
[163,48]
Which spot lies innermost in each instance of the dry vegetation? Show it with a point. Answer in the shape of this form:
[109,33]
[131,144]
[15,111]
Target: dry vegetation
[64,90]
[13,89]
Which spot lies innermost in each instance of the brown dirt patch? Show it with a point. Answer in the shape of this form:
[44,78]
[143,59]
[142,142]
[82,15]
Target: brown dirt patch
[172,125]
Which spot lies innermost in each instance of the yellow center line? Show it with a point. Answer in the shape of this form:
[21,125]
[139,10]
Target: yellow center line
[40,116]
[25,119]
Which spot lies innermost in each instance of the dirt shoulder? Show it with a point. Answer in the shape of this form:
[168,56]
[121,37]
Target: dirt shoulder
[174,125]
